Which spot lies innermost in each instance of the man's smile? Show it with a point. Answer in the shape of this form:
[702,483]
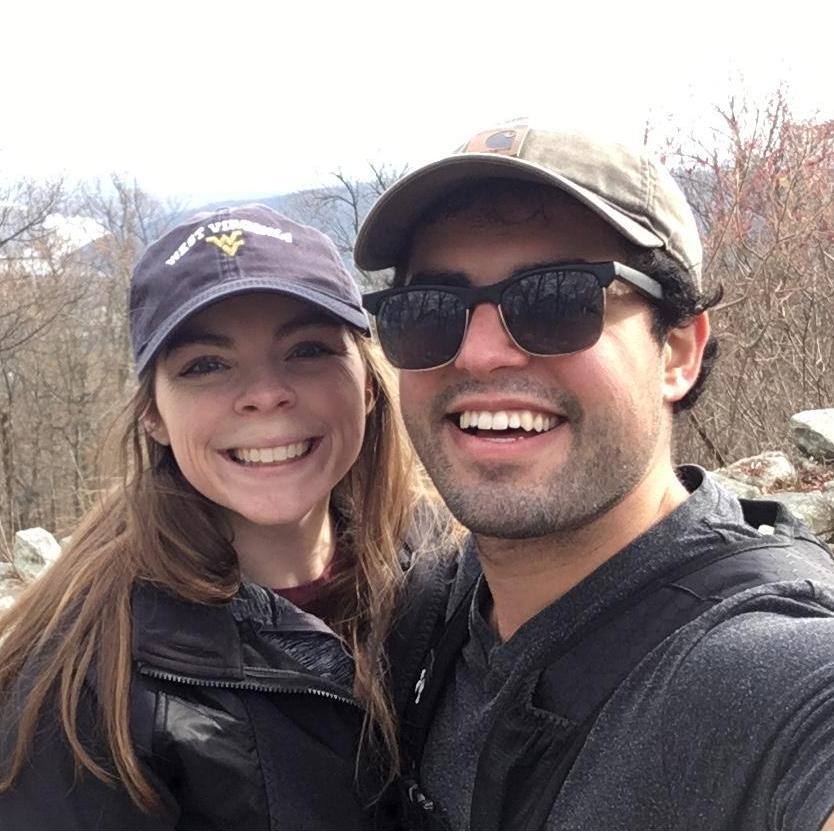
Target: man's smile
[507,421]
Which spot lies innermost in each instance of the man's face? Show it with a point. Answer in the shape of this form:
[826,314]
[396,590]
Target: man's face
[600,414]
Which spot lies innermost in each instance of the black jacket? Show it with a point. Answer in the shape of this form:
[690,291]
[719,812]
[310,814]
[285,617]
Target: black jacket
[231,727]
[532,744]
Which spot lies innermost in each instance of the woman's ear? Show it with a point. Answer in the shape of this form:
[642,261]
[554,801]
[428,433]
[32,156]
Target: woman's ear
[682,355]
[154,426]
[371,390]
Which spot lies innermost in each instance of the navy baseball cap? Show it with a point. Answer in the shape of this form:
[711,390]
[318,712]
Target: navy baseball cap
[232,251]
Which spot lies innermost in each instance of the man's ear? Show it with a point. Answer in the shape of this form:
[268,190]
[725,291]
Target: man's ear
[154,426]
[682,356]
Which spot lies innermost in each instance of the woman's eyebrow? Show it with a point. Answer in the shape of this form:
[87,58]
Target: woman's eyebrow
[186,338]
[311,319]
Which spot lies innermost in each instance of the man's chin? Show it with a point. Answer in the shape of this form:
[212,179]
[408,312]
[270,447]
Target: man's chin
[502,513]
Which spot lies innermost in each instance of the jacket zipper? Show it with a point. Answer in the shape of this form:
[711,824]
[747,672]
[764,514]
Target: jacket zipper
[247,685]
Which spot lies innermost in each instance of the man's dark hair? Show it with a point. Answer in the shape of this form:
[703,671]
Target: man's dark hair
[681,301]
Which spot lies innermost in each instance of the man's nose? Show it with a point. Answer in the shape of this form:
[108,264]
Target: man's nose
[263,389]
[486,345]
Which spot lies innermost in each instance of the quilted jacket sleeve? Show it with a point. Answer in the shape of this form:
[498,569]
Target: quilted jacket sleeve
[51,792]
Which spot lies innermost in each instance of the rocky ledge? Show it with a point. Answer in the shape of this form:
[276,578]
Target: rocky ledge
[805,488]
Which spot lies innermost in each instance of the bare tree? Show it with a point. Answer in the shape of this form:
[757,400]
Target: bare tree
[339,210]
[132,219]
[64,355]
[24,208]
[762,184]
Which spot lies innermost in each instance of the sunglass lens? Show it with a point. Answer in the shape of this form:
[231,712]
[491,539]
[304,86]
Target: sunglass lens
[553,312]
[421,329]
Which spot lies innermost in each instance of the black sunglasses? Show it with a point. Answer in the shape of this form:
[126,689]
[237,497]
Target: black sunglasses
[547,311]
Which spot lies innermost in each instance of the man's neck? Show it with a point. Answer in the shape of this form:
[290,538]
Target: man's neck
[527,575]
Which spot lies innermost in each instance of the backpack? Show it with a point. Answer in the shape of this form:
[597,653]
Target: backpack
[508,796]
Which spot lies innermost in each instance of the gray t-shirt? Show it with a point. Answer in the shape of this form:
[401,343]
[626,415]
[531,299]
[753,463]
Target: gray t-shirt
[728,724]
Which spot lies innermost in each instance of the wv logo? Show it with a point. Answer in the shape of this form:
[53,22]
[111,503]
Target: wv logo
[229,243]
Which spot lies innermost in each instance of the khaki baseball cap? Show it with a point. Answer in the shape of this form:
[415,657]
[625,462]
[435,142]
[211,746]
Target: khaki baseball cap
[625,186]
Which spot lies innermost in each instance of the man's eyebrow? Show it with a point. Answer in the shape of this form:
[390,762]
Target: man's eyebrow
[461,279]
[429,276]
[546,265]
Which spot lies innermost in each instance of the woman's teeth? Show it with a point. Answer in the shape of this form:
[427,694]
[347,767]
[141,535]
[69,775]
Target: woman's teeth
[502,420]
[275,454]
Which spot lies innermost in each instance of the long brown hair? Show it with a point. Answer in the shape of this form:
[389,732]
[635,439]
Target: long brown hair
[76,618]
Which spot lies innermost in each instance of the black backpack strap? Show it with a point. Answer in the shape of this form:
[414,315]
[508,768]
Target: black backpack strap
[424,681]
[436,669]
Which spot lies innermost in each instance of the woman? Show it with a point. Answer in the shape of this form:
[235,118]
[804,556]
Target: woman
[207,652]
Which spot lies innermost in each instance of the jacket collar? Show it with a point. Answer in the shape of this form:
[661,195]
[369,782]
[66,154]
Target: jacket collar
[206,640]
[182,637]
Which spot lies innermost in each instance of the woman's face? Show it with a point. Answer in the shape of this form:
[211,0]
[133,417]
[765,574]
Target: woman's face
[262,399]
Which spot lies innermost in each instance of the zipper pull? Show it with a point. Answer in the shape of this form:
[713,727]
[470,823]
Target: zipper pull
[423,679]
[420,686]
[417,797]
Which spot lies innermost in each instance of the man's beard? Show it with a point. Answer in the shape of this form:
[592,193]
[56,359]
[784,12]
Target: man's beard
[608,456]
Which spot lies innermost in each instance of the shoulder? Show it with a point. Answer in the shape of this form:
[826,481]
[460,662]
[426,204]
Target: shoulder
[729,723]
[756,641]
[751,696]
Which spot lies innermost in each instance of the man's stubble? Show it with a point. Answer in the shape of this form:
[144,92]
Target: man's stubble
[609,454]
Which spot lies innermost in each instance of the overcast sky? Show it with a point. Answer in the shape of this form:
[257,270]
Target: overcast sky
[207,99]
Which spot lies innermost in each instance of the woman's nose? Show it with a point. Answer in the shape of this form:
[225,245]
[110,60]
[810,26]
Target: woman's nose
[264,389]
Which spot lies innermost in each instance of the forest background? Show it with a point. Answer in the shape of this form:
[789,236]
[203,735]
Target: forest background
[761,182]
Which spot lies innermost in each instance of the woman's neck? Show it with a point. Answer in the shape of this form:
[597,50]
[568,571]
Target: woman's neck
[287,555]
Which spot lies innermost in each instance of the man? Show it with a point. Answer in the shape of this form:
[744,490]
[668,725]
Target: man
[620,646]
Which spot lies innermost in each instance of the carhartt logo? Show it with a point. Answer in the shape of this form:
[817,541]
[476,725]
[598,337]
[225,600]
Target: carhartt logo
[228,243]
[501,141]
[505,141]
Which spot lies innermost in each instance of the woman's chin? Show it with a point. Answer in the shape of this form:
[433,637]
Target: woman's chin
[280,517]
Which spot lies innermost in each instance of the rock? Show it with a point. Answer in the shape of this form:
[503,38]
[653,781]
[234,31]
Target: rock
[813,433]
[6,570]
[767,471]
[9,591]
[815,509]
[34,550]
[738,488]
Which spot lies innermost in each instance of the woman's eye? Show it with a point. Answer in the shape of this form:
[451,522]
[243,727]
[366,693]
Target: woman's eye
[310,350]
[203,365]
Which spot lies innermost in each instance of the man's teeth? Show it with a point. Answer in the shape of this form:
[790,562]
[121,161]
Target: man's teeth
[501,420]
[274,454]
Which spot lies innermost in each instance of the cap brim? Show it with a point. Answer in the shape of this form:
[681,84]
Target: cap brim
[355,317]
[390,222]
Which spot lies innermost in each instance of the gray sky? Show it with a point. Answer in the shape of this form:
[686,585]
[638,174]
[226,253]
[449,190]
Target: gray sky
[210,99]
